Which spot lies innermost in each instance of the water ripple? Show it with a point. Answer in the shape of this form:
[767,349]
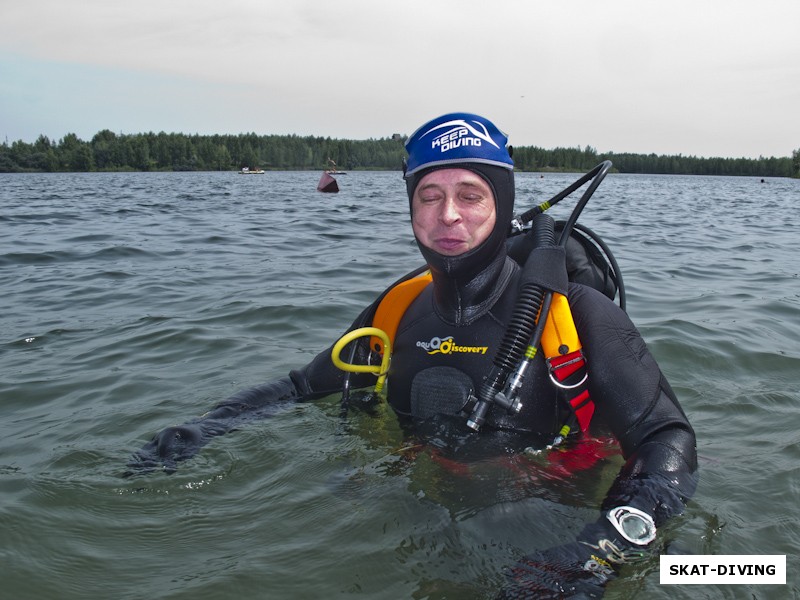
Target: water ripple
[133,301]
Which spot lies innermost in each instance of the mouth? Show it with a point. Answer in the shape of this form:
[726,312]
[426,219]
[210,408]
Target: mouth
[447,245]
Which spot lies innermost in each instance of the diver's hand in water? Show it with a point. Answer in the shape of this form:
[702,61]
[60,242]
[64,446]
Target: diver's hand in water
[564,572]
[580,569]
[169,446]
[175,444]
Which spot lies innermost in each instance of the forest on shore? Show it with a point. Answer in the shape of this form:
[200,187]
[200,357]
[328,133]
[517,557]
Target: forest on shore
[109,151]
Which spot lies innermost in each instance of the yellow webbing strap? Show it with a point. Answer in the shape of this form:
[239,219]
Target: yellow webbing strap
[393,307]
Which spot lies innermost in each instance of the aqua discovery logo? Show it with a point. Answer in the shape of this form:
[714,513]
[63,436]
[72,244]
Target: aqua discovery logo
[448,345]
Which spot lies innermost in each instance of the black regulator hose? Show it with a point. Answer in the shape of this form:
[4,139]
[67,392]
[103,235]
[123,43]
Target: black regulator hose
[597,174]
[523,320]
[519,332]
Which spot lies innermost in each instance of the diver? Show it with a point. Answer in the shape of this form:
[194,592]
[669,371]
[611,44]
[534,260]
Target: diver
[451,355]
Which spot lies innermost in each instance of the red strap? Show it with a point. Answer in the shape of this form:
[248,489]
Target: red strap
[584,409]
[563,367]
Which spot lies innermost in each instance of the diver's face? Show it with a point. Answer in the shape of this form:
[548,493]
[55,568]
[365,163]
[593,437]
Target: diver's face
[453,211]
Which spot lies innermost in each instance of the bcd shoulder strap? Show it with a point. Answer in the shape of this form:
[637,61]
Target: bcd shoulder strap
[394,305]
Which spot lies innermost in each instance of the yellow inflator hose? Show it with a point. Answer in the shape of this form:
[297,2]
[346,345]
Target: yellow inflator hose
[381,371]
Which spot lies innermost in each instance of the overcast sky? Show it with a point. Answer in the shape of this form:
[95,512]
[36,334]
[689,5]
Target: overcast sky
[692,77]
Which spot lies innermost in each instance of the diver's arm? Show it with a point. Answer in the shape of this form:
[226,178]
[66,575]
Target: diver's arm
[318,378]
[660,472]
[632,397]
[654,484]
[180,442]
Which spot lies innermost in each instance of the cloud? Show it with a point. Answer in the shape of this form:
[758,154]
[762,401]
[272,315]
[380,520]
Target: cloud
[704,78]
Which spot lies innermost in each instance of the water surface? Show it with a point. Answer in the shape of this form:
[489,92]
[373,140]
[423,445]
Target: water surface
[136,301]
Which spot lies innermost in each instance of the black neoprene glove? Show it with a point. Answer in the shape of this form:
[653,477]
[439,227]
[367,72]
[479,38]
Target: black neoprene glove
[181,442]
[172,445]
[579,569]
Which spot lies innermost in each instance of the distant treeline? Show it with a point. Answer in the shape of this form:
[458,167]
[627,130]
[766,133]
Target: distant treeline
[108,151]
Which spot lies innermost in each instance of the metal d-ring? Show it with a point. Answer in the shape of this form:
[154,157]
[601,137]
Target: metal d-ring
[551,370]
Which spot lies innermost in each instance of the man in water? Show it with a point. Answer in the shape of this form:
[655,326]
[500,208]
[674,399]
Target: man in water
[460,182]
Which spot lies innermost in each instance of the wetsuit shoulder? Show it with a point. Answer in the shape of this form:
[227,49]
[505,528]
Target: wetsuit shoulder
[631,393]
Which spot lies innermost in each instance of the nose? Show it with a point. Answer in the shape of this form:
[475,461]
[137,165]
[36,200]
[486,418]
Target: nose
[450,213]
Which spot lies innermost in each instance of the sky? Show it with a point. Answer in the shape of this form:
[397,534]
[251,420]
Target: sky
[692,77]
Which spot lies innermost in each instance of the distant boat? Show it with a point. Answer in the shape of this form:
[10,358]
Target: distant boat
[327,183]
[249,171]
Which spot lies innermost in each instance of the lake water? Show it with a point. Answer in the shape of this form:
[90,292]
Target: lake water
[135,301]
